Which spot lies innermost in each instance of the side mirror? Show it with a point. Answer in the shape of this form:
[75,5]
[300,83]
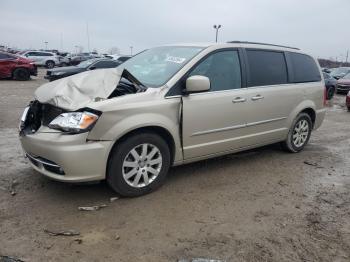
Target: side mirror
[197,83]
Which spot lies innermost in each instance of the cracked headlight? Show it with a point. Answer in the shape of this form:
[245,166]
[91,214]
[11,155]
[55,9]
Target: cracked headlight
[74,122]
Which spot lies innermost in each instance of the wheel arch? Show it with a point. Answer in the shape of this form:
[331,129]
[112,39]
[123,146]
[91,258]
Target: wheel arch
[307,107]
[161,131]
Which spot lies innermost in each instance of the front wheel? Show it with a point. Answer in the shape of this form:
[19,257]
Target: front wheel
[299,134]
[138,165]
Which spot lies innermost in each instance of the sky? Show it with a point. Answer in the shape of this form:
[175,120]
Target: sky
[319,27]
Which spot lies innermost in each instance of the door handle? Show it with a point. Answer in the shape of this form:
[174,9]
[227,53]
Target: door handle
[257,97]
[239,100]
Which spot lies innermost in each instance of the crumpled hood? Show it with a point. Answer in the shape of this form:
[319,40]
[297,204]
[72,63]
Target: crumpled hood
[75,92]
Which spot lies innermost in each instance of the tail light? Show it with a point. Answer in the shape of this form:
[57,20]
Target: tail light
[324,96]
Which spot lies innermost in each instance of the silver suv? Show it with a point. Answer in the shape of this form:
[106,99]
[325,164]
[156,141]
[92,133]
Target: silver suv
[41,58]
[168,106]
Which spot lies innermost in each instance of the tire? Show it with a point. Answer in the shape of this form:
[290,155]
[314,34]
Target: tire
[330,92]
[294,145]
[21,74]
[349,108]
[50,64]
[130,173]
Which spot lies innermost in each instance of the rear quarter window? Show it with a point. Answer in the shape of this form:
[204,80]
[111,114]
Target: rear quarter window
[304,68]
[266,68]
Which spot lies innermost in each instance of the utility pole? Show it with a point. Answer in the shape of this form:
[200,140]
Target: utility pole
[347,56]
[131,47]
[88,36]
[216,27]
[46,44]
[61,41]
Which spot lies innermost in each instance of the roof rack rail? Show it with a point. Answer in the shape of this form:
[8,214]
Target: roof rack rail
[257,43]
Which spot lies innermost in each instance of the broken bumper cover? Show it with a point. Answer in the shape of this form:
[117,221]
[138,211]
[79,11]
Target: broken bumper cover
[68,158]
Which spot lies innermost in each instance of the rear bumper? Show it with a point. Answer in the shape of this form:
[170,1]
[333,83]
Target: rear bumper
[68,158]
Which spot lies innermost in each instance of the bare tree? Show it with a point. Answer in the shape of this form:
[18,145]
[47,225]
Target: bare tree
[114,51]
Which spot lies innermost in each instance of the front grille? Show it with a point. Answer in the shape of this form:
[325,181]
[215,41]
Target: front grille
[39,114]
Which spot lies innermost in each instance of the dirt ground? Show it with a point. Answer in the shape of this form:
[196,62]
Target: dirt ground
[261,205]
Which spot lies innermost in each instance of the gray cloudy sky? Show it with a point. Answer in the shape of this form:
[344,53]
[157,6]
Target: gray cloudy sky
[320,27]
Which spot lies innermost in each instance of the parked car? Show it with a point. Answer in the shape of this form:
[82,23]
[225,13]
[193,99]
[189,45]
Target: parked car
[63,61]
[168,106]
[326,70]
[41,58]
[343,84]
[340,72]
[331,84]
[347,101]
[121,58]
[75,60]
[92,64]
[18,68]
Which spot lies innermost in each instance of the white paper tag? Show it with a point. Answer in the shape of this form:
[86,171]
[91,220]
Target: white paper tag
[174,59]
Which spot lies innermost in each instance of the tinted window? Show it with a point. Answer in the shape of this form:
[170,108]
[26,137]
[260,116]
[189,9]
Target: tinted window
[266,68]
[304,68]
[105,64]
[222,68]
[123,58]
[31,54]
[6,56]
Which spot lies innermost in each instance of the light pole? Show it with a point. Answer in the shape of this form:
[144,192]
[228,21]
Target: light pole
[217,27]
[131,47]
[46,44]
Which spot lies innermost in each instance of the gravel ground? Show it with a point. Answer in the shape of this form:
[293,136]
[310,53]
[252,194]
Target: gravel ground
[260,205]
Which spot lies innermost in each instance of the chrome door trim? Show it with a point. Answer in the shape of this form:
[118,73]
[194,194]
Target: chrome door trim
[199,133]
[218,130]
[265,121]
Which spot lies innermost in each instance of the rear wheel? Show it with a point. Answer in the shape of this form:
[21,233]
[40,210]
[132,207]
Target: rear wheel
[299,134]
[21,74]
[330,92]
[138,165]
[50,64]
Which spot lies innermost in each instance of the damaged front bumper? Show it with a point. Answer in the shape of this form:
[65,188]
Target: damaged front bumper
[68,158]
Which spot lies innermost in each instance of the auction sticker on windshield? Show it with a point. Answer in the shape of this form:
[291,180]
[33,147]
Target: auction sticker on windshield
[174,59]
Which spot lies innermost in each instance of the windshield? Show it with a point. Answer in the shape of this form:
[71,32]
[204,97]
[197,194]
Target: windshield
[154,67]
[86,63]
[347,76]
[340,70]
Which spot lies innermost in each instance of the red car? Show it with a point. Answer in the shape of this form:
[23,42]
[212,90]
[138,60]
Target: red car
[19,68]
[348,101]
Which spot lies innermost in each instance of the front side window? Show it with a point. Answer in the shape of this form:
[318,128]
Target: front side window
[223,70]
[304,68]
[154,67]
[266,68]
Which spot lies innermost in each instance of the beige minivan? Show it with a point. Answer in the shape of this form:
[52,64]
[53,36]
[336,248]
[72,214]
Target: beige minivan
[168,106]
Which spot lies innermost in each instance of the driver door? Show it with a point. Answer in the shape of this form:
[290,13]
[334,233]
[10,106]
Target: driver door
[213,120]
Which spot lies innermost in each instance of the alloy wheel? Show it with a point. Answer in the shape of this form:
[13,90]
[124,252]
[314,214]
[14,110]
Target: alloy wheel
[300,133]
[142,165]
